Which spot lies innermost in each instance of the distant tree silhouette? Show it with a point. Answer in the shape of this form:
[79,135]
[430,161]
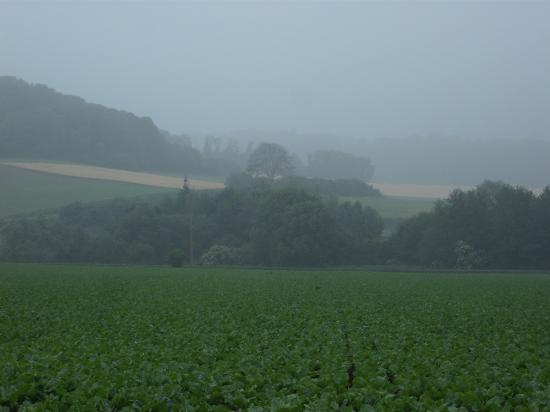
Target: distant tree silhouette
[270,160]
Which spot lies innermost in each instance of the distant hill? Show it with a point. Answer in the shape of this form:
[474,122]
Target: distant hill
[38,122]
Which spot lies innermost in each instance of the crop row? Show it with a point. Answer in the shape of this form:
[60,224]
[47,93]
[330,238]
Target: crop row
[105,338]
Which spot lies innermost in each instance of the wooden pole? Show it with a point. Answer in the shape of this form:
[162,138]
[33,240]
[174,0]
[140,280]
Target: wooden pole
[190,227]
[189,198]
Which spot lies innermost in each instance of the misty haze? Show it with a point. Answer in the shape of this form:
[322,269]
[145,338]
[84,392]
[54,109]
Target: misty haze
[274,206]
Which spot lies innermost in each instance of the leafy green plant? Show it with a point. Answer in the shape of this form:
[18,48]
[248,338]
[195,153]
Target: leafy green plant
[147,338]
[176,258]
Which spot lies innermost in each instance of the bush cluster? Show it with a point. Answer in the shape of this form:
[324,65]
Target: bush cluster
[282,227]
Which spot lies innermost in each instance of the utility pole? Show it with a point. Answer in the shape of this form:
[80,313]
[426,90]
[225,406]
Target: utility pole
[189,196]
[190,228]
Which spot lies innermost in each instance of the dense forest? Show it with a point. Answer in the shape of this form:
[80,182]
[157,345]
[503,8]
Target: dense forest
[37,122]
[272,224]
[263,226]
[494,225]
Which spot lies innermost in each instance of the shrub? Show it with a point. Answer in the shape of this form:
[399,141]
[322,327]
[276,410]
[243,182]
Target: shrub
[176,258]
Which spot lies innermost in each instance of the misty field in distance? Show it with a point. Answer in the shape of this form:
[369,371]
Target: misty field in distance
[25,191]
[37,186]
[229,339]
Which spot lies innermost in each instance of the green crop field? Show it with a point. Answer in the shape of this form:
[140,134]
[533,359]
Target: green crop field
[144,338]
[24,191]
[395,207]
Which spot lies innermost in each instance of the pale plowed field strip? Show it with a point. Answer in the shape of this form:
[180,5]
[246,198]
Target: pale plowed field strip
[102,173]
[425,191]
[155,180]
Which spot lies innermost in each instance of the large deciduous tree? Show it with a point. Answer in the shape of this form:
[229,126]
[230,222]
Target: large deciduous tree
[270,160]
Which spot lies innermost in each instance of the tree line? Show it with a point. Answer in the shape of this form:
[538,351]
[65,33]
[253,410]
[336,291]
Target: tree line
[264,226]
[492,226]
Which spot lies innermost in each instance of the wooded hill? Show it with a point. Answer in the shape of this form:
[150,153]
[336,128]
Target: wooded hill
[38,122]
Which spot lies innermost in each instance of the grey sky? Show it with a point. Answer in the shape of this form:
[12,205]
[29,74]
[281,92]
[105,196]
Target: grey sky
[360,69]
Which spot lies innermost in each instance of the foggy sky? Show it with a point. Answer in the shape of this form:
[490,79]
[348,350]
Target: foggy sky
[477,70]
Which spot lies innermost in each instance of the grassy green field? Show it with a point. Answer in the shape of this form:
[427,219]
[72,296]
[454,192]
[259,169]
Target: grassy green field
[395,207]
[144,338]
[23,191]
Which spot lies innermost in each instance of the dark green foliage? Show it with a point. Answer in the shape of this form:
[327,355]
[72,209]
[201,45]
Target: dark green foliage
[406,242]
[539,228]
[176,258]
[359,231]
[330,187]
[37,122]
[495,225]
[294,229]
[263,226]
[42,240]
[87,338]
